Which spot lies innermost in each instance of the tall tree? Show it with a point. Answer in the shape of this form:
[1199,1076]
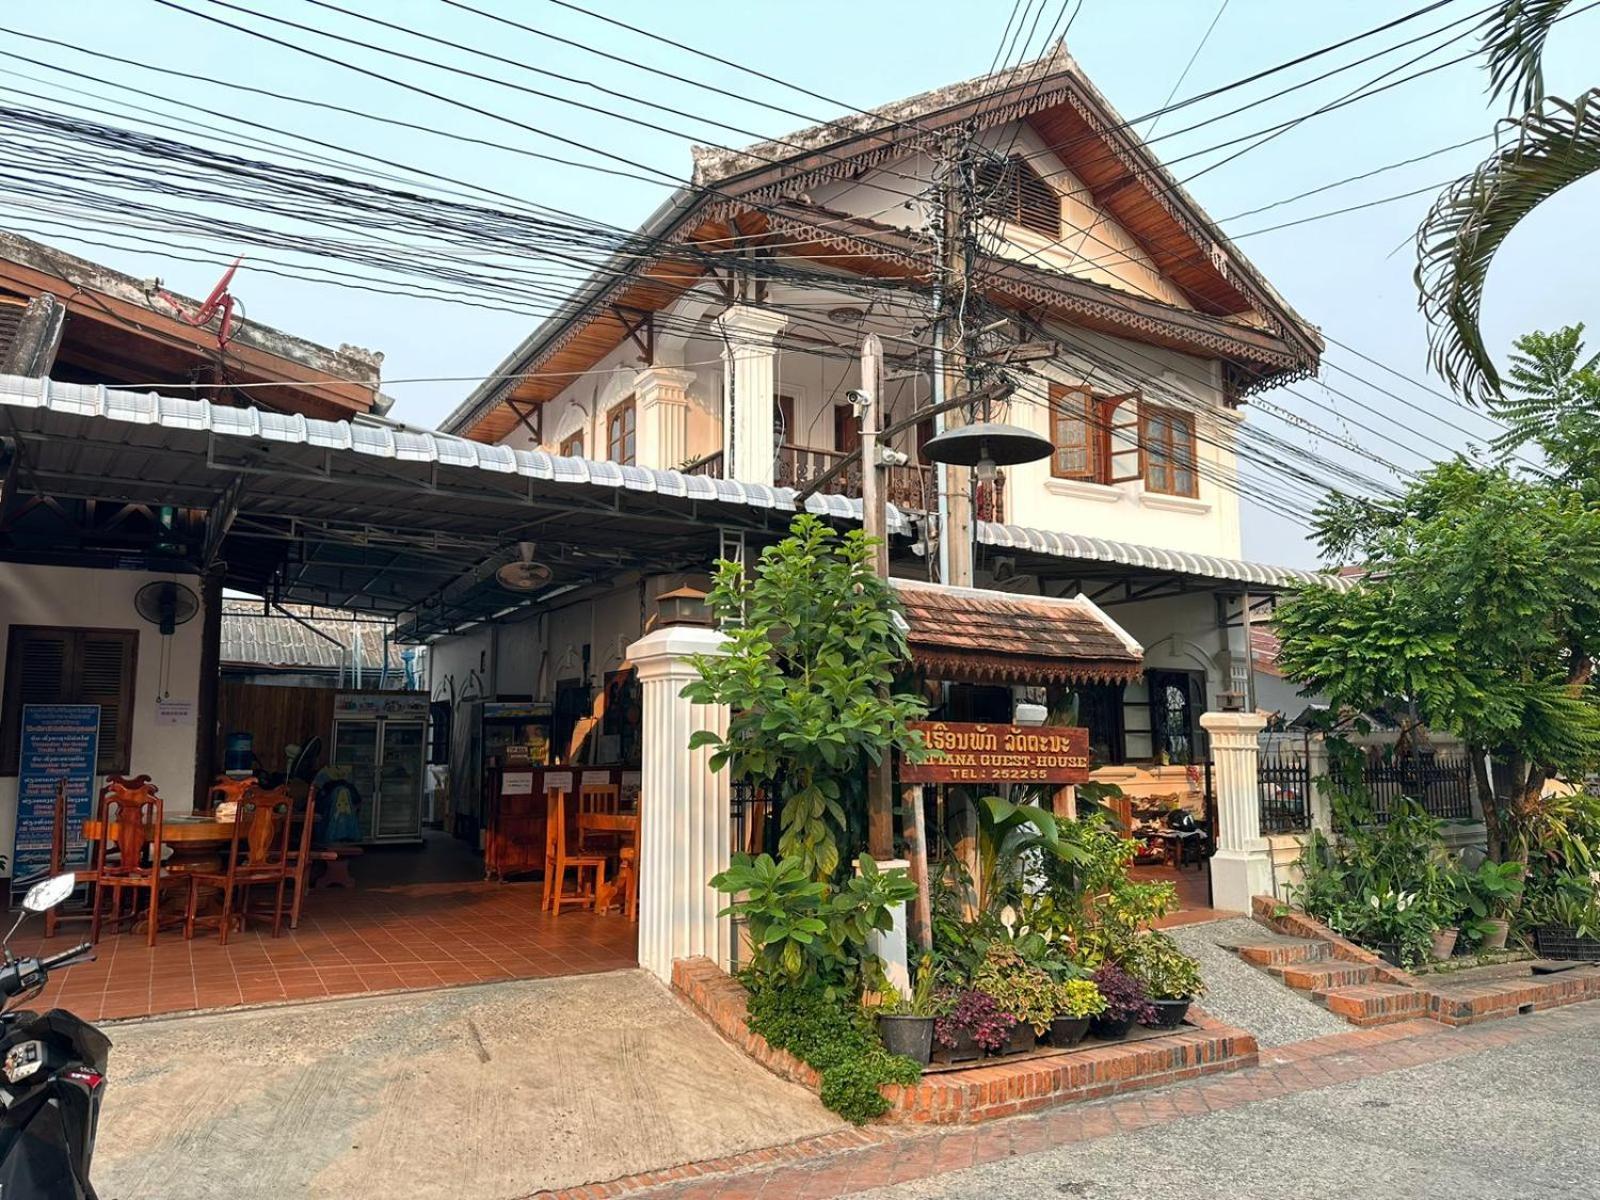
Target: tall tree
[1479,613]
[1552,402]
[1545,144]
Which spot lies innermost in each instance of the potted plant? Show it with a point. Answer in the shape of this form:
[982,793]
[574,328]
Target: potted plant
[1023,991]
[1442,895]
[1171,978]
[1126,1002]
[905,1023]
[1491,894]
[1396,926]
[1077,1001]
[971,1025]
[1567,919]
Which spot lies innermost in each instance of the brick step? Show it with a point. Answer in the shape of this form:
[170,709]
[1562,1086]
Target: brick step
[1324,976]
[1283,951]
[1373,1003]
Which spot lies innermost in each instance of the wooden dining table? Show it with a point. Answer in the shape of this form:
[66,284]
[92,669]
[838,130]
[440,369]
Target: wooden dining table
[197,840]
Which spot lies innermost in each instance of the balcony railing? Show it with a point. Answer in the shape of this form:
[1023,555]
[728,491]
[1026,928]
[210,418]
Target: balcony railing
[911,488]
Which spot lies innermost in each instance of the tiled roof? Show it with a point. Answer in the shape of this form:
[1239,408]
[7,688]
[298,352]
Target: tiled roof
[976,636]
[274,640]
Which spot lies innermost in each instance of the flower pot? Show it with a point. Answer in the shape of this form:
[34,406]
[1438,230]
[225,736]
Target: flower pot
[966,1049]
[1444,943]
[1110,1029]
[1068,1031]
[1389,952]
[1169,1013]
[910,1036]
[1495,931]
[1023,1039]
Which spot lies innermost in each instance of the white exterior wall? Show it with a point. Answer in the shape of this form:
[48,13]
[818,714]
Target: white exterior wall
[97,598]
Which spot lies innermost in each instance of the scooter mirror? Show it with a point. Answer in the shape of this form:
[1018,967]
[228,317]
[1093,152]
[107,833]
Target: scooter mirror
[48,893]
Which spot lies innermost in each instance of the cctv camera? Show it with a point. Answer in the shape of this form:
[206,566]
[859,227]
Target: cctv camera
[858,397]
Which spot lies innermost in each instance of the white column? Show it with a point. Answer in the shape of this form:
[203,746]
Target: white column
[891,944]
[663,396]
[1321,797]
[684,819]
[1242,866]
[749,356]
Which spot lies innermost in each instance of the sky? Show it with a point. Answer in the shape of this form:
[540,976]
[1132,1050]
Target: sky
[1350,275]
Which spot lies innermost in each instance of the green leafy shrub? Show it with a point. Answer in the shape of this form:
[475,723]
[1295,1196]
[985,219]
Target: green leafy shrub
[1024,991]
[835,1039]
[1161,965]
[813,650]
[1079,998]
[808,932]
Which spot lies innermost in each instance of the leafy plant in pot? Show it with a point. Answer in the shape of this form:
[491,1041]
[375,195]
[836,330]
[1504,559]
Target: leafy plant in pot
[1170,977]
[972,1024]
[1491,894]
[905,1023]
[1077,1002]
[1024,991]
[1442,895]
[1126,1002]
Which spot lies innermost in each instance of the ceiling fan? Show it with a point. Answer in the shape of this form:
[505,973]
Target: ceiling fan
[523,574]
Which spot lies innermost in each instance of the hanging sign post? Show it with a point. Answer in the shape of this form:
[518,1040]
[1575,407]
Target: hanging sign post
[969,753]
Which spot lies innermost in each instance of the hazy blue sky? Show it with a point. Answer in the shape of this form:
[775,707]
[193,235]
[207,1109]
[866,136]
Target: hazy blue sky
[1350,275]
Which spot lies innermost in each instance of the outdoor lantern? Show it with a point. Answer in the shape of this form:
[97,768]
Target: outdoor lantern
[986,447]
[1231,701]
[682,606]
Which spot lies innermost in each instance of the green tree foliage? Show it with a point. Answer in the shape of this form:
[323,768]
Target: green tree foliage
[815,639]
[1479,615]
[1553,403]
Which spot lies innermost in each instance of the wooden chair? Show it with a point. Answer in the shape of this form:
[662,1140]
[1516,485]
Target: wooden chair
[228,790]
[598,800]
[302,815]
[623,829]
[258,852]
[58,859]
[557,862]
[129,852]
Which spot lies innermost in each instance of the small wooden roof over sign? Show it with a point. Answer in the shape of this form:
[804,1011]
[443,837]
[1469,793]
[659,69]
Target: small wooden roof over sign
[969,635]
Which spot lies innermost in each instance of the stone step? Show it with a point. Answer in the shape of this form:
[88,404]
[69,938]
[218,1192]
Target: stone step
[1281,951]
[1324,975]
[1373,1003]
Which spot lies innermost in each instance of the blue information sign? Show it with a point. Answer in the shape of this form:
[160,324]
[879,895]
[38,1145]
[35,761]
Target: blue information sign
[59,742]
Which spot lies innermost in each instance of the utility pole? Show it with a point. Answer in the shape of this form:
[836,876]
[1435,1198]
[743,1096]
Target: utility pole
[958,344]
[874,510]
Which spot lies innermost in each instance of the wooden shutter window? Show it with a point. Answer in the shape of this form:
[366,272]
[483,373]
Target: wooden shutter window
[71,666]
[620,433]
[1166,440]
[1072,431]
[572,447]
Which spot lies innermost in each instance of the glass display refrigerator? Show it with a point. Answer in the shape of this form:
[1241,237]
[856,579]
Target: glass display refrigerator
[380,744]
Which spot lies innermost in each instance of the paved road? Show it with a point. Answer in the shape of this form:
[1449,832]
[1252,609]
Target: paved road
[1510,1122]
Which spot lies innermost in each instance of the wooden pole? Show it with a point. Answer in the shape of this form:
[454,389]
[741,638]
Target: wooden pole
[957,537]
[208,685]
[917,852]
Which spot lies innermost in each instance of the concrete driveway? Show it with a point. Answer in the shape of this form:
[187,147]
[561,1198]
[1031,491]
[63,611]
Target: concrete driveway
[486,1092]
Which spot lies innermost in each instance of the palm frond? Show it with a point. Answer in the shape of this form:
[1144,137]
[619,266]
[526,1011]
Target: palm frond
[1457,241]
[1513,42]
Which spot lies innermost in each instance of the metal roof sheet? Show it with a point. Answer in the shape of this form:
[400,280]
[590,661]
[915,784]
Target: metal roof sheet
[380,439]
[1154,558]
[251,637]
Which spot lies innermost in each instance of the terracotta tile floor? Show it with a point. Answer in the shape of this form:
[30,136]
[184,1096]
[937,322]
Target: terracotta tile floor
[380,937]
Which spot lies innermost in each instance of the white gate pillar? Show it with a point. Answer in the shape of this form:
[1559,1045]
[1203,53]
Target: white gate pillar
[684,817]
[749,358]
[1242,866]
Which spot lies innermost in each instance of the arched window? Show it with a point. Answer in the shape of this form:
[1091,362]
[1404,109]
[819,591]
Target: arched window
[1015,192]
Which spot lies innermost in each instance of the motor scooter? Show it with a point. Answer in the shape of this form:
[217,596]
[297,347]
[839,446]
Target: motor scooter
[52,1072]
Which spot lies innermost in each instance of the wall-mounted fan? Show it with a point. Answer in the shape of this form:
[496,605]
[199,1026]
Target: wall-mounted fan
[523,575]
[166,604]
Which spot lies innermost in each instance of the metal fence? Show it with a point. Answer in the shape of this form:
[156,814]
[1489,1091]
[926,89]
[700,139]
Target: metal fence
[1284,782]
[1442,784]
[754,816]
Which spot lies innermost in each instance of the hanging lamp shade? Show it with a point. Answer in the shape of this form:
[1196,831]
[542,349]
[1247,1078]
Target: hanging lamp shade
[987,446]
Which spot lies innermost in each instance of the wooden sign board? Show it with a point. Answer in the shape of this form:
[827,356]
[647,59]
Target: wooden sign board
[1000,754]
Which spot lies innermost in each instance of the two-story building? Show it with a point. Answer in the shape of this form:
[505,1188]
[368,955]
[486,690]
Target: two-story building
[723,339]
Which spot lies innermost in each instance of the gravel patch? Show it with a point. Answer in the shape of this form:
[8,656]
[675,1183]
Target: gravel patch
[1247,996]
